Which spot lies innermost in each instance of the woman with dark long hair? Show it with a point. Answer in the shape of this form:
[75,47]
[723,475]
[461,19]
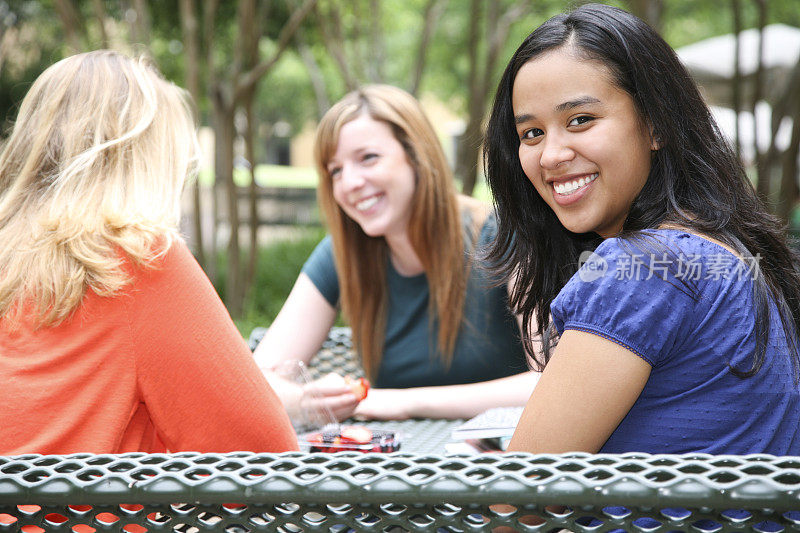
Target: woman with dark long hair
[667,296]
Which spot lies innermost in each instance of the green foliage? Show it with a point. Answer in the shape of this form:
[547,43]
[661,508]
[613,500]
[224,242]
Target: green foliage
[286,94]
[689,21]
[34,49]
[448,63]
[279,264]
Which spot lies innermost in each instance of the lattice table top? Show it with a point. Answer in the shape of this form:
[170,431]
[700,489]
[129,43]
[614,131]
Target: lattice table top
[374,492]
[716,481]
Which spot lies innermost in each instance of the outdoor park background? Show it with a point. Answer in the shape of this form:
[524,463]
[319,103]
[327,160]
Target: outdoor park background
[263,71]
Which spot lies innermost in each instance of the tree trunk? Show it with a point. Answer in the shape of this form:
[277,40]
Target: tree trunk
[736,87]
[249,79]
[789,192]
[468,143]
[431,15]
[650,11]
[250,33]
[209,15]
[315,73]
[327,23]
[227,96]
[359,48]
[8,40]
[224,138]
[71,19]
[249,143]
[787,106]
[140,25]
[481,77]
[100,15]
[377,57]
[189,26]
[763,184]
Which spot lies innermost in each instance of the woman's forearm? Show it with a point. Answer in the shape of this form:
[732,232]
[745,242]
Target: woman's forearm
[448,401]
[468,400]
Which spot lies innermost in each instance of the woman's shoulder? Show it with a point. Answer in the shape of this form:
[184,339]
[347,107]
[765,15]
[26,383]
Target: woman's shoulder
[321,256]
[478,219]
[474,212]
[640,290]
[170,259]
[164,252]
[670,240]
[667,260]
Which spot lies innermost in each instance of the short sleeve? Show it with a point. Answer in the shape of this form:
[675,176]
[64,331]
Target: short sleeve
[629,297]
[321,270]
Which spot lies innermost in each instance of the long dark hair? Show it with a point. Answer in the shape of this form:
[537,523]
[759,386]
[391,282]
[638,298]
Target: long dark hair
[696,181]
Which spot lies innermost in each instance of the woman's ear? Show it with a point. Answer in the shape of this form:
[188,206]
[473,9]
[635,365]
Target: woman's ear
[655,144]
[655,141]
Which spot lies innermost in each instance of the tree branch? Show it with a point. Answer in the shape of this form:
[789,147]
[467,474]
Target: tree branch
[72,22]
[334,45]
[100,15]
[249,79]
[314,73]
[498,33]
[431,15]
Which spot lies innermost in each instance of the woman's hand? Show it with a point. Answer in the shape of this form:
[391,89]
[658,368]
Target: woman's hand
[331,393]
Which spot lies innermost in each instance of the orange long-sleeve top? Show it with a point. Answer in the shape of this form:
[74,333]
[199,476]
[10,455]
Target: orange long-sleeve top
[157,367]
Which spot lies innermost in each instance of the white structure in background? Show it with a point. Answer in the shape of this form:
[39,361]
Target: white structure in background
[725,119]
[711,63]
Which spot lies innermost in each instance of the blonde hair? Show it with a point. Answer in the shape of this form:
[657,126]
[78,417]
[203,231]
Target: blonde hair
[91,174]
[435,229]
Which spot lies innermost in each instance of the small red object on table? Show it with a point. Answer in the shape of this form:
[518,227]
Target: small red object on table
[352,438]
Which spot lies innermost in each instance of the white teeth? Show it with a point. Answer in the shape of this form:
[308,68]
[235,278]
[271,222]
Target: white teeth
[363,205]
[571,186]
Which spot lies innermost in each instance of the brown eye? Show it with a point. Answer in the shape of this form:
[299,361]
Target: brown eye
[532,133]
[581,120]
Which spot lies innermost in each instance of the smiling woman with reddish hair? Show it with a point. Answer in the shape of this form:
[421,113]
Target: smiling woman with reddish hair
[433,330]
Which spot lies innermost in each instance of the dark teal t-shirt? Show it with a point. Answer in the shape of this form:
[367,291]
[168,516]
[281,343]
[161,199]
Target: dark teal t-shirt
[488,346]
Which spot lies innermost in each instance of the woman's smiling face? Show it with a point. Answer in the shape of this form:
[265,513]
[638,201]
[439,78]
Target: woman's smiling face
[373,180]
[582,142]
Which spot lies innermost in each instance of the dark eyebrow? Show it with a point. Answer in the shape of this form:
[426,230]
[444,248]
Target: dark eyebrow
[571,104]
[560,108]
[519,119]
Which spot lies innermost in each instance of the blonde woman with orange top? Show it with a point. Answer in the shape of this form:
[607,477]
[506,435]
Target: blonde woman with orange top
[111,337]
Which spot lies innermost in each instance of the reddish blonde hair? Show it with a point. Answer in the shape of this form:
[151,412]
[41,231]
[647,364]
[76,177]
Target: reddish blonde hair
[435,229]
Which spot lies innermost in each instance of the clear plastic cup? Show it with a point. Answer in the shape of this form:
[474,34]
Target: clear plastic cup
[305,411]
